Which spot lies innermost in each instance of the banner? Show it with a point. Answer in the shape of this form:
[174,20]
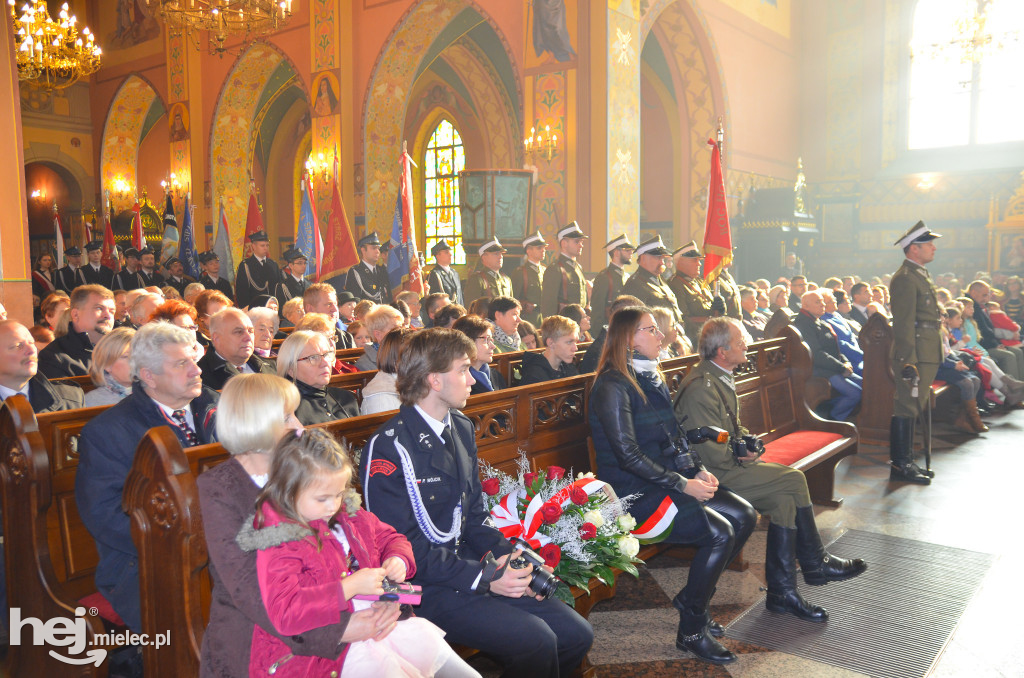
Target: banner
[340,247]
[59,235]
[403,262]
[717,236]
[222,246]
[308,239]
[169,245]
[138,237]
[253,220]
[187,248]
[110,258]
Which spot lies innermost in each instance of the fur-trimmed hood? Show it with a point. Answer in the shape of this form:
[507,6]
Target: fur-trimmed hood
[278,530]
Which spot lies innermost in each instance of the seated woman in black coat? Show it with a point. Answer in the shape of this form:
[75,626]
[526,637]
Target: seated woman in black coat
[306,358]
[640,451]
[556,362]
[482,334]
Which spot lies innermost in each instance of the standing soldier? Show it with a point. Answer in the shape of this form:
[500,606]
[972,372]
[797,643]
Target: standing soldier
[691,292]
[293,281]
[526,279]
[258,274]
[70,275]
[211,278]
[564,283]
[608,283]
[916,349]
[646,284]
[443,278]
[95,273]
[148,275]
[367,280]
[176,277]
[488,280]
[128,277]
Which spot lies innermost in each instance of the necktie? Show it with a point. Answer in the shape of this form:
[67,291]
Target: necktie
[179,418]
[446,436]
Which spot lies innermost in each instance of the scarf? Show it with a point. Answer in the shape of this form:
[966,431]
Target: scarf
[506,341]
[647,367]
[116,388]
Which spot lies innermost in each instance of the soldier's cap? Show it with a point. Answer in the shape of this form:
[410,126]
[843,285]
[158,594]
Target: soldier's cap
[170,262]
[491,245]
[72,252]
[146,250]
[571,230]
[619,242]
[259,236]
[131,253]
[94,245]
[208,256]
[688,250]
[386,246]
[918,233]
[652,246]
[345,297]
[292,254]
[534,239]
[440,246]
[369,239]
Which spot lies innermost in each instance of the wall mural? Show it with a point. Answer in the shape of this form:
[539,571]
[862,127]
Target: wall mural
[623,118]
[491,104]
[121,132]
[550,194]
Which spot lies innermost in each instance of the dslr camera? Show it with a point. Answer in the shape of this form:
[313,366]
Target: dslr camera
[747,445]
[542,583]
[686,462]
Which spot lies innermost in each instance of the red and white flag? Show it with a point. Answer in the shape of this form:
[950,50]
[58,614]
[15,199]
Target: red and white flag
[58,228]
[110,259]
[253,220]
[717,235]
[138,237]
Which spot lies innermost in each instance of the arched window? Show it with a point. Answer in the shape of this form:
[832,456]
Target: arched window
[442,162]
[965,82]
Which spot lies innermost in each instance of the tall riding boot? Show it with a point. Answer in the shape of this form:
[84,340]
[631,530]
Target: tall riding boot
[901,454]
[927,472]
[780,572]
[694,634]
[974,416]
[693,637]
[819,566]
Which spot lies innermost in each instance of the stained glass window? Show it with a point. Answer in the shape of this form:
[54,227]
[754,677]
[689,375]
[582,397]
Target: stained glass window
[444,159]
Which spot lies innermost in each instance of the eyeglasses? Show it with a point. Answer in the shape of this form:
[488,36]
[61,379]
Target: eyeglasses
[318,359]
[487,340]
[650,329]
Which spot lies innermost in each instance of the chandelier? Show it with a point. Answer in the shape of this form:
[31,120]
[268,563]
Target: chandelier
[223,18]
[52,54]
[972,38]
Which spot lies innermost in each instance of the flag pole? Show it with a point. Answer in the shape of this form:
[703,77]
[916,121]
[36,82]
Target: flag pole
[721,139]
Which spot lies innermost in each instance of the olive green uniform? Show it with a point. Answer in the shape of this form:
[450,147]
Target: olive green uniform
[916,334]
[564,284]
[695,301]
[653,292]
[607,286]
[484,282]
[731,294]
[707,397]
[526,285]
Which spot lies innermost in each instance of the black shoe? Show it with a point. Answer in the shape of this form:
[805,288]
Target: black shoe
[908,473]
[834,568]
[693,637]
[793,603]
[923,471]
[780,573]
[818,565]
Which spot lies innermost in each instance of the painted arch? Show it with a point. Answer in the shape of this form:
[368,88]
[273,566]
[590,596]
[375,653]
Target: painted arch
[132,111]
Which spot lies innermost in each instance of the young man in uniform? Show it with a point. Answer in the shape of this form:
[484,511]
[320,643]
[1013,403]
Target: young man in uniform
[608,283]
[128,277]
[564,283]
[70,275]
[257,274]
[293,281]
[367,280]
[211,277]
[527,286]
[95,273]
[148,275]
[443,279]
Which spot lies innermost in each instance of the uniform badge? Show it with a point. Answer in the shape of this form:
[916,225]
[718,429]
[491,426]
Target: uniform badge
[381,466]
[389,432]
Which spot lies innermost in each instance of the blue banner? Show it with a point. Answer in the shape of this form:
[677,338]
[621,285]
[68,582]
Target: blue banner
[307,222]
[189,256]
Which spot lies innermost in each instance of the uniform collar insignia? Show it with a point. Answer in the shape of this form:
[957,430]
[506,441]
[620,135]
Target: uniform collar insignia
[389,432]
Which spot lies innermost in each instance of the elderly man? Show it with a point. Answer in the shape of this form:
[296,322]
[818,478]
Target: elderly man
[232,339]
[19,362]
[826,356]
[142,308]
[322,298]
[564,283]
[753,320]
[646,283]
[258,274]
[707,396]
[368,279]
[167,391]
[379,321]
[608,283]
[92,316]
[692,293]
[488,280]
[849,344]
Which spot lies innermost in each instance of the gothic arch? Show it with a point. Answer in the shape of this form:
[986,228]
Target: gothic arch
[122,131]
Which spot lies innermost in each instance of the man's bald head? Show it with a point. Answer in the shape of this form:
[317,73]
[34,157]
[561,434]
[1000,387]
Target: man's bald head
[812,303]
[19,358]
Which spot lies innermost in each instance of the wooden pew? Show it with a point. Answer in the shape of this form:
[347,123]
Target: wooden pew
[83,381]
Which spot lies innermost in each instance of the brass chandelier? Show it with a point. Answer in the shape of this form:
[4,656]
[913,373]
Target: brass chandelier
[222,18]
[52,54]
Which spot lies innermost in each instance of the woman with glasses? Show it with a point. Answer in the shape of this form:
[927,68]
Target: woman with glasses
[381,393]
[640,452]
[482,334]
[177,312]
[306,358]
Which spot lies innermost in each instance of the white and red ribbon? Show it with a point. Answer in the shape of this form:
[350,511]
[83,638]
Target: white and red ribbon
[659,525]
[505,515]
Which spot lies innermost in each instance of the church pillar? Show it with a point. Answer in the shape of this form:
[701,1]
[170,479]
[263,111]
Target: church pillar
[622,159]
[331,87]
[184,112]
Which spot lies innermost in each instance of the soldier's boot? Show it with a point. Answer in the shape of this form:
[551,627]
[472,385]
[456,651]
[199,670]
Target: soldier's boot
[901,456]
[780,574]
[974,416]
[818,565]
[693,635]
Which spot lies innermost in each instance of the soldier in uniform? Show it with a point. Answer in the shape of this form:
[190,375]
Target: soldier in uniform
[95,273]
[488,280]
[293,282]
[367,280]
[608,283]
[128,277]
[646,284]
[148,275]
[70,275]
[176,275]
[564,283]
[258,273]
[730,293]
[211,278]
[691,291]
[443,278]
[526,279]
[707,397]
[916,349]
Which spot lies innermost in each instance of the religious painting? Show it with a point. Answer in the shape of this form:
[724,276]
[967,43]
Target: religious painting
[178,122]
[549,29]
[1011,251]
[135,24]
[325,94]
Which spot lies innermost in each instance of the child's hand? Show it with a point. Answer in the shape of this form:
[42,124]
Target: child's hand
[366,581]
[394,567]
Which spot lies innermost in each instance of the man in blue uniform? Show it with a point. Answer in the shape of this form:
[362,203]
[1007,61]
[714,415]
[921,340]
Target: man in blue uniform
[368,280]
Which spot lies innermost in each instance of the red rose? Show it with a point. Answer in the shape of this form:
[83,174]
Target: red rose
[552,555]
[555,472]
[551,512]
[578,495]
[528,479]
[588,531]
[491,486]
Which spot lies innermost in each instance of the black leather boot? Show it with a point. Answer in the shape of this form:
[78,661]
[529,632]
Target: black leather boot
[780,572]
[901,453]
[819,566]
[693,637]
[714,628]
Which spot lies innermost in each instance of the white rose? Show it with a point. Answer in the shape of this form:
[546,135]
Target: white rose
[626,522]
[594,517]
[581,476]
[628,546]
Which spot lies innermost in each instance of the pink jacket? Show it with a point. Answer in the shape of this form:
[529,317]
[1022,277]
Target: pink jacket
[301,583]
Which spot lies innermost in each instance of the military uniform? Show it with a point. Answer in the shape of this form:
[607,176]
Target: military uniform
[67,277]
[563,284]
[484,282]
[608,285]
[694,299]
[369,283]
[652,291]
[180,283]
[527,287]
[446,282]
[731,294]
[222,284]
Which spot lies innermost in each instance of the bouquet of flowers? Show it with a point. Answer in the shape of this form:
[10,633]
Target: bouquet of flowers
[579,526]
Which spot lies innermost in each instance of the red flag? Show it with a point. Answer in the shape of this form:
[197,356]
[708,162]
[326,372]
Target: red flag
[403,262]
[110,259]
[58,232]
[717,236]
[138,238]
[253,220]
[339,247]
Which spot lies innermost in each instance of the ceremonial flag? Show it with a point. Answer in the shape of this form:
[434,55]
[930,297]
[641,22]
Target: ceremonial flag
[59,234]
[717,236]
[189,256]
[91,233]
[308,240]
[404,262]
[222,246]
[110,258]
[340,247]
[170,244]
[138,238]
[253,220]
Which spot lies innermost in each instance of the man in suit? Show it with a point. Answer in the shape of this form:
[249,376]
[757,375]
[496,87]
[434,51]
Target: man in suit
[646,283]
[527,279]
[692,293]
[753,320]
[257,274]
[608,283]
[826,356]
[148,275]
[293,281]
[488,280]
[92,316]
[70,275]
[211,278]
[443,279]
[95,273]
[231,351]
[462,590]
[128,277]
[19,364]
[564,283]
[797,287]
[367,280]
[860,297]
[176,277]
[168,391]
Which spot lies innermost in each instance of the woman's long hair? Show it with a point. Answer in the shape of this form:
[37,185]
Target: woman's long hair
[617,353]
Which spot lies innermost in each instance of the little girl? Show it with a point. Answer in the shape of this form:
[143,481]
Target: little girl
[314,558]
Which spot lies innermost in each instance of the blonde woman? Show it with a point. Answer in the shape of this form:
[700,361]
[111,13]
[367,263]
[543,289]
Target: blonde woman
[111,369]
